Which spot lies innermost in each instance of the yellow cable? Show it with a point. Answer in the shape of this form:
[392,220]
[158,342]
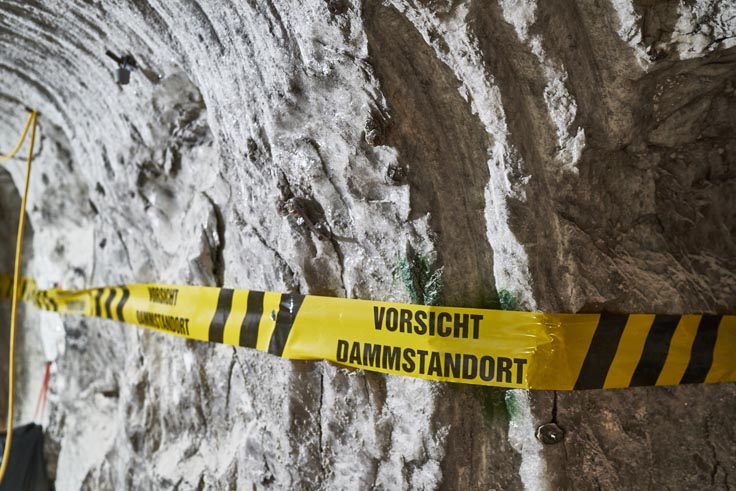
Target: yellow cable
[16,284]
[22,139]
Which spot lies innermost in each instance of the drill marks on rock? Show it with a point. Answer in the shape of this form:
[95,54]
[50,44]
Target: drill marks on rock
[88,27]
[201,16]
[150,15]
[16,77]
[529,138]
[605,108]
[561,105]
[460,437]
[451,34]
[444,147]
[201,28]
[602,85]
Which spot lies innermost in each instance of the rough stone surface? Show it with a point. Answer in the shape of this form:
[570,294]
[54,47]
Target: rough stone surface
[580,155]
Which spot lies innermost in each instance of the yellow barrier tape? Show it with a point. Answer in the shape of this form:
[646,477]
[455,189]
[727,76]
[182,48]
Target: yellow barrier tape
[472,346]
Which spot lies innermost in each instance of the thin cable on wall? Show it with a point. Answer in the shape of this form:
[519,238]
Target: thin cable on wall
[30,122]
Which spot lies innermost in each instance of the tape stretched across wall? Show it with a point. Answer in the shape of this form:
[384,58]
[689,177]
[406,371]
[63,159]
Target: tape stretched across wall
[472,346]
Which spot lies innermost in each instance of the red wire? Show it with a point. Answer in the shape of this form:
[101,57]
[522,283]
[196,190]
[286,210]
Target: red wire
[42,396]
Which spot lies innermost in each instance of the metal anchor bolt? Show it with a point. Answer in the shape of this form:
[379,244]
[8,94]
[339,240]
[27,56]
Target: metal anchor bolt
[550,433]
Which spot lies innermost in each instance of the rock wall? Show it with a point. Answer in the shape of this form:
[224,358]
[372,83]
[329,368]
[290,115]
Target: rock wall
[579,155]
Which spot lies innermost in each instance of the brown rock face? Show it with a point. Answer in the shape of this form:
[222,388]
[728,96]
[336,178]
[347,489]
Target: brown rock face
[565,156]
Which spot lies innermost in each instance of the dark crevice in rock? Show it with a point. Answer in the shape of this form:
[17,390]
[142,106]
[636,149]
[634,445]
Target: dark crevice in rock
[230,371]
[218,261]
[124,247]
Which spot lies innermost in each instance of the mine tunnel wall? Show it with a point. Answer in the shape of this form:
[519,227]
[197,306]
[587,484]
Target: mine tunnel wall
[574,156]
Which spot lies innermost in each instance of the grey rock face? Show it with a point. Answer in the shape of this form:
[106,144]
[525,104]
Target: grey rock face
[580,155]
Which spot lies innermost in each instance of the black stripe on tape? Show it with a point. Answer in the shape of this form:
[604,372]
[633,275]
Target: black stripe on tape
[108,303]
[123,301]
[253,314]
[98,296]
[655,352]
[53,304]
[602,349]
[701,354]
[288,310]
[224,306]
